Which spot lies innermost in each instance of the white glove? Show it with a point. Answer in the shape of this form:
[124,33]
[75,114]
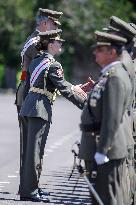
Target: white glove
[100,158]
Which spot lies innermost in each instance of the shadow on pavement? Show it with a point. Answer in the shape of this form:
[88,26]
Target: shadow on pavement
[60,188]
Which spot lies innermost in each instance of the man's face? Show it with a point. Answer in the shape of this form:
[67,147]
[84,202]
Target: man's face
[50,25]
[47,25]
[103,55]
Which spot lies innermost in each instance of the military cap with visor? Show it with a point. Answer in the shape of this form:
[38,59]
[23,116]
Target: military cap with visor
[44,38]
[125,29]
[107,39]
[51,35]
[134,46]
[50,14]
[110,29]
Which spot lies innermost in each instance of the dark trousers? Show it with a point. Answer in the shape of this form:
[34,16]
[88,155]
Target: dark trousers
[23,141]
[37,132]
[91,170]
[21,127]
[22,122]
[112,182]
[132,172]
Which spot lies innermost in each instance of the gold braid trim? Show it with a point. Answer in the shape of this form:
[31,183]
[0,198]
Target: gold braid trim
[44,91]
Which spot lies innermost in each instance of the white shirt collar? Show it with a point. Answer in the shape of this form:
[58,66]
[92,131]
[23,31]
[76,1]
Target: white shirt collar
[109,66]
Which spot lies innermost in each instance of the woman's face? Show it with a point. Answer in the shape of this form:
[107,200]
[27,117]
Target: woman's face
[56,47]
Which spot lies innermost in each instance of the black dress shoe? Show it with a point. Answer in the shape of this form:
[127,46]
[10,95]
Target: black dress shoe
[41,192]
[35,198]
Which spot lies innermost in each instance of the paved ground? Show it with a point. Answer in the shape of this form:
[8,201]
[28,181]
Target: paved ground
[58,159]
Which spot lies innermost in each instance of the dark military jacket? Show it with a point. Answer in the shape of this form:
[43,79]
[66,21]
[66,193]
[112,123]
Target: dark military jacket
[29,51]
[107,106]
[38,105]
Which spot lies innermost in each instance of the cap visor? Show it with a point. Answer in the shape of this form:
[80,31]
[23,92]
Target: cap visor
[57,23]
[101,44]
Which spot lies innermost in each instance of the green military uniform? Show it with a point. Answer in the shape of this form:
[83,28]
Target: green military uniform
[103,122]
[129,32]
[37,112]
[134,125]
[124,29]
[134,62]
[134,109]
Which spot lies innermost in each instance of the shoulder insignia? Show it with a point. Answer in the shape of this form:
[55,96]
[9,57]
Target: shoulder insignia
[108,73]
[58,64]
[60,72]
[112,71]
[99,88]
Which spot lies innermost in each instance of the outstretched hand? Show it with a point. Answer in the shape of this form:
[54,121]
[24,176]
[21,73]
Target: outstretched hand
[77,89]
[87,86]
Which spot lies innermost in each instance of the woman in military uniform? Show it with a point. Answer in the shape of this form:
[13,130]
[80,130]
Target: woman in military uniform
[46,76]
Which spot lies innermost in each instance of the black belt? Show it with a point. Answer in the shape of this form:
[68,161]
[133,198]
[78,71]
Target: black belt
[94,127]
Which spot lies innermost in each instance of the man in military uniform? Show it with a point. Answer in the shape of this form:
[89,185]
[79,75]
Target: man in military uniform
[133,54]
[128,31]
[134,61]
[46,20]
[104,142]
[46,75]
